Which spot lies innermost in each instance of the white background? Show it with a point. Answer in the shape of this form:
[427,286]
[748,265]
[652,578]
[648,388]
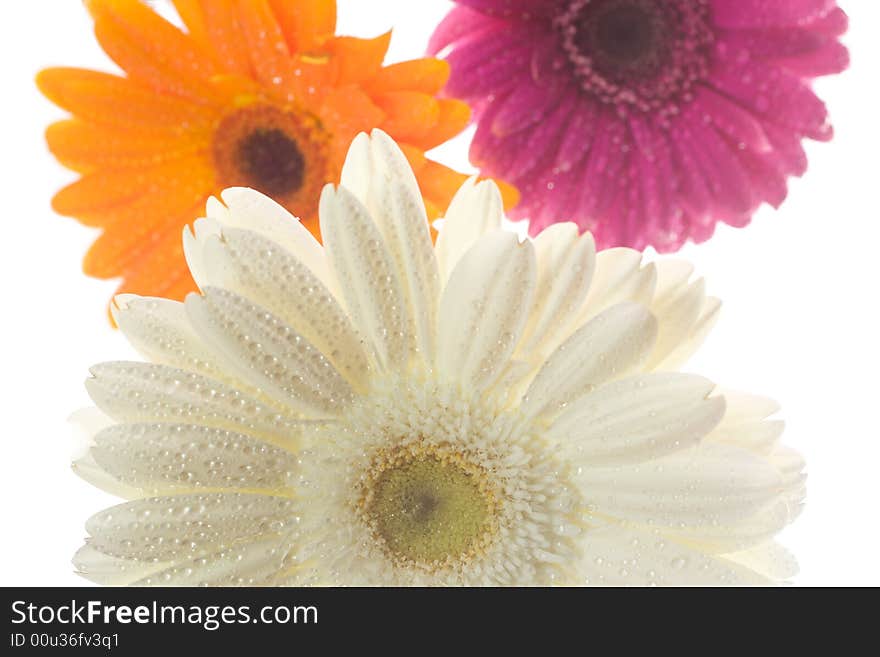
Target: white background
[800,289]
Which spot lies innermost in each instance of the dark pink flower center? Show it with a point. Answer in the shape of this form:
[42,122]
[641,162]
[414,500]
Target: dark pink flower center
[637,54]
[624,35]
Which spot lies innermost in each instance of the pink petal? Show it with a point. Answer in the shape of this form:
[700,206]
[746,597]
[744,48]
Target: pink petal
[481,69]
[787,150]
[585,122]
[607,157]
[541,145]
[768,13]
[774,95]
[832,58]
[525,105]
[693,188]
[835,23]
[804,52]
[741,126]
[727,181]
[768,181]
[653,163]
[522,9]
[459,23]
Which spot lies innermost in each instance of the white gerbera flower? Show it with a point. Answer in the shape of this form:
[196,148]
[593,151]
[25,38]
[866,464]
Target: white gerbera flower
[382,411]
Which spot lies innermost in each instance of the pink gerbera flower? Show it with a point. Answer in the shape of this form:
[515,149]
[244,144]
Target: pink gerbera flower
[645,121]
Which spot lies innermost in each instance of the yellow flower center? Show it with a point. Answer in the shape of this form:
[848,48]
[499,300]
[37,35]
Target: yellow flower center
[429,506]
[281,153]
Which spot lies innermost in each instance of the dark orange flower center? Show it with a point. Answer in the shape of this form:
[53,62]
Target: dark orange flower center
[272,161]
[281,153]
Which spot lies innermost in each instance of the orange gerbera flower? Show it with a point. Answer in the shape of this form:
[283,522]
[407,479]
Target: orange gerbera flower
[257,93]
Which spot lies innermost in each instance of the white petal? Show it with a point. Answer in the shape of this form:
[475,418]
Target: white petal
[761,437]
[110,571]
[143,392]
[250,210]
[790,465]
[161,458]
[692,340]
[770,559]
[86,422]
[160,330]
[257,563]
[610,346]
[408,238]
[566,261]
[372,166]
[357,170]
[182,527]
[484,309]
[619,277]
[258,269]
[268,353]
[218,212]
[512,382]
[678,306]
[637,419]
[475,210]
[194,240]
[617,556]
[392,198]
[88,470]
[672,279]
[745,424]
[711,484]
[746,407]
[743,534]
[367,274]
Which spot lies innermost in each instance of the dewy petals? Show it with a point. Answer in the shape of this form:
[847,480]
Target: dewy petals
[256,93]
[384,411]
[644,121]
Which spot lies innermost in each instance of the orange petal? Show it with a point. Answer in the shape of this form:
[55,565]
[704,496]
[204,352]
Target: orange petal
[284,77]
[112,100]
[426,75]
[132,236]
[151,49]
[224,34]
[237,89]
[509,194]
[151,281]
[265,41]
[190,12]
[85,146]
[346,112]
[306,24]
[439,184]
[160,271]
[98,190]
[454,117]
[408,113]
[312,224]
[132,228]
[95,197]
[415,156]
[434,212]
[315,77]
[359,59]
